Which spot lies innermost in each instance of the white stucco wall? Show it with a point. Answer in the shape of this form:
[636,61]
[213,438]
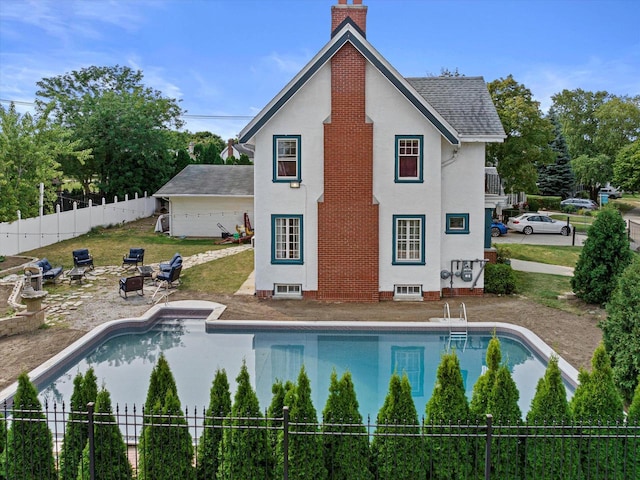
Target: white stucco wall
[392,115]
[199,216]
[303,115]
[463,192]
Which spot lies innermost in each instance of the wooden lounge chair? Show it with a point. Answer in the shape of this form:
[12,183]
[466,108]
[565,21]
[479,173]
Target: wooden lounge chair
[136,255]
[82,258]
[131,284]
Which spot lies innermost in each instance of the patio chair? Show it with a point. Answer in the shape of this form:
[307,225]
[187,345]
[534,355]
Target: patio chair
[82,258]
[131,284]
[165,267]
[136,255]
[49,272]
[168,279]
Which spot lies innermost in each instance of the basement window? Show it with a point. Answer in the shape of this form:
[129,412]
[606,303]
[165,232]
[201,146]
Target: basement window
[287,290]
[408,292]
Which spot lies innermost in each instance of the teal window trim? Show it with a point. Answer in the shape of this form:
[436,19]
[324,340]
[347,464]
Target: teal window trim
[421,247]
[278,178]
[456,230]
[415,374]
[419,178]
[286,241]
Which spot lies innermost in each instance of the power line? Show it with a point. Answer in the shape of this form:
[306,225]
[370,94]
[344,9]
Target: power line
[194,116]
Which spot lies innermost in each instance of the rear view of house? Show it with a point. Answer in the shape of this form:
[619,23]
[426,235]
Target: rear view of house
[370,186]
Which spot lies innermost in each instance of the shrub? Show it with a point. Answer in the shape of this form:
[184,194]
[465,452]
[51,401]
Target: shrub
[543,202]
[504,254]
[448,405]
[346,456]
[549,406]
[85,390]
[219,408]
[305,449]
[499,279]
[621,330]
[597,401]
[604,257]
[111,461]
[248,456]
[29,452]
[398,457]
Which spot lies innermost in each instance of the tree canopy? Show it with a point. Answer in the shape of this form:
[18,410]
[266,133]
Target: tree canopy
[626,167]
[125,124]
[528,136]
[29,148]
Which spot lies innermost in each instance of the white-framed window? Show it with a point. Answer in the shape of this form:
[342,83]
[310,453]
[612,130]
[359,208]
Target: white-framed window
[287,290]
[286,158]
[408,239]
[409,160]
[286,239]
[407,292]
[409,361]
[457,223]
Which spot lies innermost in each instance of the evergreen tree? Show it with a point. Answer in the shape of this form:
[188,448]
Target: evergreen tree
[604,257]
[244,159]
[549,406]
[29,451]
[182,160]
[346,456]
[398,456]
[276,413]
[484,384]
[450,457]
[595,402]
[621,330]
[305,448]
[219,408]
[246,452]
[557,178]
[111,461]
[632,461]
[85,390]
[165,453]
[210,154]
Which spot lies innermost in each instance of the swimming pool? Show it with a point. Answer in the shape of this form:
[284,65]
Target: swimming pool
[371,351]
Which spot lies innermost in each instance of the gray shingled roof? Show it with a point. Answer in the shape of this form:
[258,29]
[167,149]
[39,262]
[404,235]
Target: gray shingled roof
[464,102]
[229,180]
[245,148]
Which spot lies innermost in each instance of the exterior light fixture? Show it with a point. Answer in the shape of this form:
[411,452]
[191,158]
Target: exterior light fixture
[294,184]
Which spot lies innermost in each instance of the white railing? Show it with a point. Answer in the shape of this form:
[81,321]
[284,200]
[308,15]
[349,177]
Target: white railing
[27,234]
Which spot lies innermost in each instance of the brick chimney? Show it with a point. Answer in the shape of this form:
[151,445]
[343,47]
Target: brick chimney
[230,147]
[356,11]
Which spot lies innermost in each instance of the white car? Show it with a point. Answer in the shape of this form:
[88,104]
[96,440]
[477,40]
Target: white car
[579,203]
[529,223]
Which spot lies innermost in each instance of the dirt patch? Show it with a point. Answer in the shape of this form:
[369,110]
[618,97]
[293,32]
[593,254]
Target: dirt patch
[574,337]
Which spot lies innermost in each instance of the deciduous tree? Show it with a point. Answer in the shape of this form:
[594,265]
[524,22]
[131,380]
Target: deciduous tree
[123,122]
[528,136]
[29,148]
[592,172]
[626,168]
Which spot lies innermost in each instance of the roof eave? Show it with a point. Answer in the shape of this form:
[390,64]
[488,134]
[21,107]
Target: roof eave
[482,138]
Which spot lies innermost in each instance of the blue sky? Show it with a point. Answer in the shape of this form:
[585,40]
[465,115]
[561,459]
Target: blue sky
[229,58]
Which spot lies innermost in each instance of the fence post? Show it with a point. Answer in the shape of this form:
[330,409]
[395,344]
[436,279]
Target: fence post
[487,456]
[285,442]
[92,447]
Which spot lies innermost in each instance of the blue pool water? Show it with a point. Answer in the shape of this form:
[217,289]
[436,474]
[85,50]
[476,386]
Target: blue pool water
[124,363]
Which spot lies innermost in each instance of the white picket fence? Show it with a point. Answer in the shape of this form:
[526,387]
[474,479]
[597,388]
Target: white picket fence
[27,234]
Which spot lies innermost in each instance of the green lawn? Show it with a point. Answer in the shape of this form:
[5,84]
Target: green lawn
[552,255]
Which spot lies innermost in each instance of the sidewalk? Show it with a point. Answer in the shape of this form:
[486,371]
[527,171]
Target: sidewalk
[535,267]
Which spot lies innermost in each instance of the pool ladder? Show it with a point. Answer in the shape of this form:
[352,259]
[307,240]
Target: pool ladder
[457,328]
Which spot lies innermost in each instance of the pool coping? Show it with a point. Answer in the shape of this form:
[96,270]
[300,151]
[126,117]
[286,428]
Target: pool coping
[210,312]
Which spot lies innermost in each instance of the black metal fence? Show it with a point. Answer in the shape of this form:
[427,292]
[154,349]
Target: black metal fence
[480,450]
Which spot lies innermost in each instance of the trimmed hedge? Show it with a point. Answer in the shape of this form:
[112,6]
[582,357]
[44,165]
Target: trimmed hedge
[543,202]
[500,279]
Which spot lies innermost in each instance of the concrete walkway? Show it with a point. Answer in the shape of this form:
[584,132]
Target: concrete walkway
[535,267]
